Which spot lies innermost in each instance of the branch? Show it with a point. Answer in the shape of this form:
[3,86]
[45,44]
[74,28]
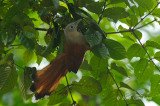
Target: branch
[41,29]
[100,17]
[146,15]
[74,102]
[119,32]
[145,24]
[117,87]
[19,66]
[145,50]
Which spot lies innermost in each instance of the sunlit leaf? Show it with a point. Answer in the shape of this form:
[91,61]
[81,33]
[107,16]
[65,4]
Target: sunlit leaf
[153,44]
[157,56]
[119,69]
[143,70]
[148,4]
[135,50]
[27,56]
[156,12]
[155,86]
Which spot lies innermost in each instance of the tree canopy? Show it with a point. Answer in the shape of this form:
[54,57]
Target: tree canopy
[122,68]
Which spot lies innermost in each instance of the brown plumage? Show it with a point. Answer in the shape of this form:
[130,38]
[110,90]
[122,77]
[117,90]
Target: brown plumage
[47,79]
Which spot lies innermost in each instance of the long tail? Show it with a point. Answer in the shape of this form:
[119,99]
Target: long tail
[47,79]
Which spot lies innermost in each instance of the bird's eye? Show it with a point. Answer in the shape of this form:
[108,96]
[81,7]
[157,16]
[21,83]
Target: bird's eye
[72,26]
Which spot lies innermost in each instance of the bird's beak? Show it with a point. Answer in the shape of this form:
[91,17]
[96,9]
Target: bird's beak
[77,22]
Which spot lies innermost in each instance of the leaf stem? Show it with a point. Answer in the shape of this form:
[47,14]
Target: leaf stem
[74,102]
[100,17]
[117,87]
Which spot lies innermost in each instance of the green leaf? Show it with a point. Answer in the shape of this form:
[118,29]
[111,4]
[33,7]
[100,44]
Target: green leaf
[48,49]
[156,12]
[116,50]
[30,32]
[132,20]
[143,70]
[25,82]
[157,56]
[116,1]
[148,4]
[8,78]
[152,44]
[28,43]
[6,59]
[27,56]
[87,86]
[93,37]
[119,69]
[115,13]
[106,82]
[50,57]
[39,59]
[86,66]
[135,50]
[155,87]
[58,95]
[136,102]
[98,65]
[98,5]
[114,99]
[101,51]
[122,84]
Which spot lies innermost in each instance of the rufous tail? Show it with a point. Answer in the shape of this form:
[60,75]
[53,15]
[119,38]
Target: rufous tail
[47,79]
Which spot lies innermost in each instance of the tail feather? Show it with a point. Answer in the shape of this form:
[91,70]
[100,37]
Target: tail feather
[47,79]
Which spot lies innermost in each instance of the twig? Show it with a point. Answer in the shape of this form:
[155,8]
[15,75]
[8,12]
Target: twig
[146,15]
[118,32]
[145,50]
[74,102]
[41,29]
[19,66]
[145,25]
[100,17]
[117,87]
[16,45]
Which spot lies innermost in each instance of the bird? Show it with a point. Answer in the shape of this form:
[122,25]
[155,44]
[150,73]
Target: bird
[47,79]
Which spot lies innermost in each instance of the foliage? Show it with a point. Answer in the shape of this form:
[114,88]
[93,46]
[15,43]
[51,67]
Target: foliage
[121,61]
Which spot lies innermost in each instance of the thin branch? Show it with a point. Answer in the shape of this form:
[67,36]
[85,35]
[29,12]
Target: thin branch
[74,102]
[117,86]
[118,32]
[145,50]
[145,25]
[146,15]
[100,17]
[41,29]
[17,45]
[19,66]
